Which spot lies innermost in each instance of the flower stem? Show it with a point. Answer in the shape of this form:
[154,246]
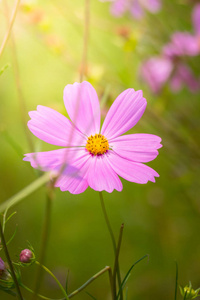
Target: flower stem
[117,259]
[25,192]
[22,103]
[44,240]
[10,264]
[114,246]
[83,69]
[8,32]
[54,277]
[89,281]
[40,296]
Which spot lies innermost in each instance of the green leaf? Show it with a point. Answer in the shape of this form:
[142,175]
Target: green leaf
[67,281]
[7,290]
[124,281]
[12,237]
[4,68]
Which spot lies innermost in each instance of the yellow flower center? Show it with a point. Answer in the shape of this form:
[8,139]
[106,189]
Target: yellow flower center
[97,144]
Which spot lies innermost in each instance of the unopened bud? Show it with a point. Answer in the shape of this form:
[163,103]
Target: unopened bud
[2,266]
[188,292]
[26,255]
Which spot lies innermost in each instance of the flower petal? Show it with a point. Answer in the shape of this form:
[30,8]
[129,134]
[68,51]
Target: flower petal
[182,43]
[82,104]
[137,147]
[156,71]
[152,5]
[101,176]
[183,76]
[196,18]
[136,10]
[124,113]
[131,171]
[54,128]
[54,160]
[77,183]
[118,8]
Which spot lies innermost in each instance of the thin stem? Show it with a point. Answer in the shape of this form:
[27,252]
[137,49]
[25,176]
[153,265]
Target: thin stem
[25,192]
[22,103]
[107,221]
[111,283]
[89,281]
[40,296]
[7,34]
[176,282]
[54,277]
[10,264]
[116,261]
[83,69]
[44,240]
[113,243]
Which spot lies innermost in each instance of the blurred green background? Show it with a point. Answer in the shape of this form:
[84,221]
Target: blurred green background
[161,219]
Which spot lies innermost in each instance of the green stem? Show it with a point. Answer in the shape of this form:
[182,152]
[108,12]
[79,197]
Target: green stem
[10,264]
[89,281]
[22,103]
[113,243]
[8,32]
[40,296]
[25,192]
[44,240]
[54,277]
[83,69]
[117,260]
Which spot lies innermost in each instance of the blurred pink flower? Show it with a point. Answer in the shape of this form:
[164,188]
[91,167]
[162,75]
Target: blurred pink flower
[99,155]
[135,7]
[170,65]
[156,71]
[2,267]
[196,19]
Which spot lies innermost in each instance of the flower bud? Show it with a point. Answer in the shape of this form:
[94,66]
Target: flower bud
[2,267]
[188,292]
[26,255]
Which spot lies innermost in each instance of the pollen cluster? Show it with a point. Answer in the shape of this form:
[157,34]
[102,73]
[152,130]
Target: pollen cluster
[97,144]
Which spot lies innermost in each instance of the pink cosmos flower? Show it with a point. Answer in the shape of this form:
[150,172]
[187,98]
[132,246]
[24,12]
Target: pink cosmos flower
[97,155]
[135,7]
[170,65]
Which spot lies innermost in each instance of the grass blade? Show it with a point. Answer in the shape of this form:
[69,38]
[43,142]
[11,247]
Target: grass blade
[128,274]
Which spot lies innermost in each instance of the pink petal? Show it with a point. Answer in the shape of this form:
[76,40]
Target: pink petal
[136,9]
[118,7]
[152,5]
[53,128]
[156,71]
[136,147]
[82,104]
[53,160]
[196,18]
[184,76]
[124,113]
[77,183]
[182,43]
[101,176]
[131,171]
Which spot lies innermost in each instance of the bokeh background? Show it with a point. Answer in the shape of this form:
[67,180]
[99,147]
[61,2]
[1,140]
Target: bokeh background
[161,219]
